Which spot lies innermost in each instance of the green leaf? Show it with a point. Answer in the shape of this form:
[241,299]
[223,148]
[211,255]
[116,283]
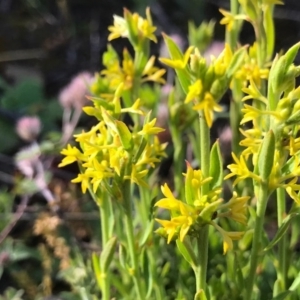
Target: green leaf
[282,295]
[122,255]
[290,164]
[236,62]
[282,230]
[96,267]
[296,283]
[147,232]
[269,29]
[125,135]
[187,252]
[176,54]
[108,253]
[216,166]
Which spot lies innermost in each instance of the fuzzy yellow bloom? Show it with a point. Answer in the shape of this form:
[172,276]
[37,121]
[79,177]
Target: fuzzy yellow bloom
[72,154]
[240,170]
[208,105]
[195,91]
[143,27]
[178,63]
[149,129]
[228,237]
[183,215]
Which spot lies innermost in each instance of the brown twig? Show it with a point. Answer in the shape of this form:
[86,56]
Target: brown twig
[18,214]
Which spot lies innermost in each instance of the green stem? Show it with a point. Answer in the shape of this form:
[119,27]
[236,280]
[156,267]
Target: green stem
[129,229]
[232,35]
[202,240]
[178,158]
[202,258]
[262,199]
[105,235]
[282,244]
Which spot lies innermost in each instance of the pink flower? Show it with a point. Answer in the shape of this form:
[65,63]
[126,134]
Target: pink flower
[74,94]
[28,128]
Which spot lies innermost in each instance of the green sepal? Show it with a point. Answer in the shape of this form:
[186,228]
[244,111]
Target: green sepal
[216,166]
[109,57]
[209,210]
[266,156]
[219,87]
[236,61]
[99,102]
[107,253]
[282,230]
[209,77]
[293,119]
[176,54]
[200,295]
[125,135]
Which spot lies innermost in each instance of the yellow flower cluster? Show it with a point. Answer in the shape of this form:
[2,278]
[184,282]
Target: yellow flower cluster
[204,83]
[108,150]
[200,210]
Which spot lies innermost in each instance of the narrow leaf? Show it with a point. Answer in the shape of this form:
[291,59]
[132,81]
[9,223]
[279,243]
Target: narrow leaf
[125,135]
[108,253]
[187,252]
[282,230]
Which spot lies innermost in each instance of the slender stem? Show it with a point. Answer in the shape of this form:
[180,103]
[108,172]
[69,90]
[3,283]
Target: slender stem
[178,158]
[104,219]
[282,244]
[134,271]
[202,240]
[232,35]
[202,257]
[262,199]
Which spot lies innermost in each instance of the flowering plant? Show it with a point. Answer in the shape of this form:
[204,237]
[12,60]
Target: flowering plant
[118,159]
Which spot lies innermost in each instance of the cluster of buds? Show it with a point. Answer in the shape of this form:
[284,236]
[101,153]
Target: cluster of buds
[204,83]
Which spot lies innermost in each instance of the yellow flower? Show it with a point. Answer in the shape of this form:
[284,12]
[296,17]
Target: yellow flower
[149,129]
[183,215]
[237,209]
[143,28]
[119,29]
[240,170]
[208,105]
[195,91]
[229,18]
[228,237]
[72,154]
[178,63]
